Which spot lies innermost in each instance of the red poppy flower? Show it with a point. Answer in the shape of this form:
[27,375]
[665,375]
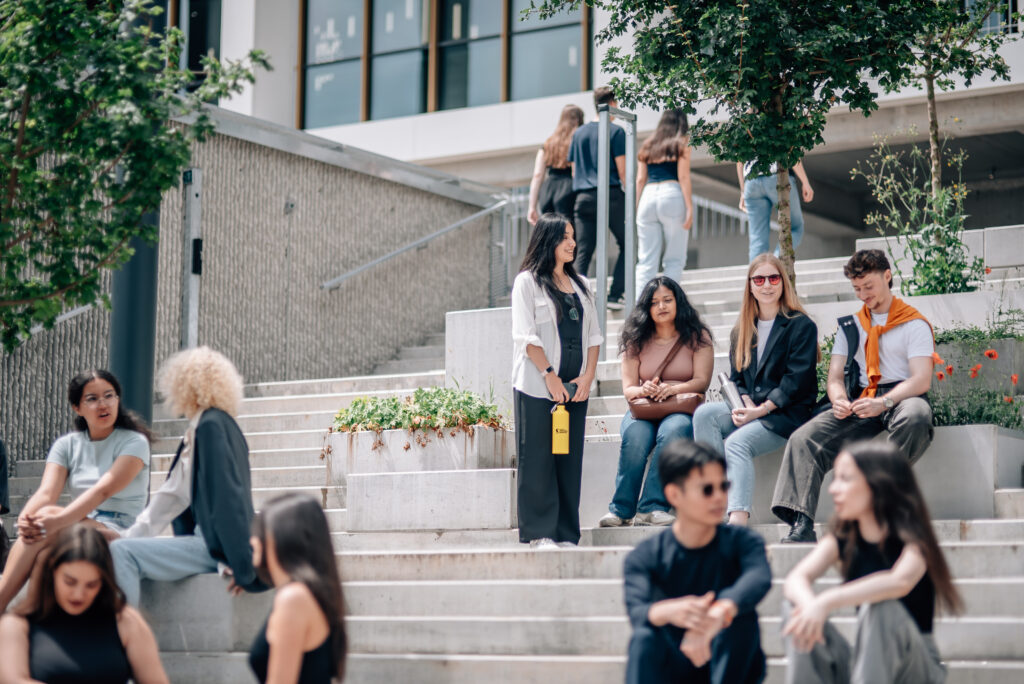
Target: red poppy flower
[974,373]
[1008,400]
[977,367]
[949,370]
[987,270]
[992,354]
[940,375]
[937,360]
[1013,378]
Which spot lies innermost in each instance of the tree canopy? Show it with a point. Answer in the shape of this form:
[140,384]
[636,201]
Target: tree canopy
[88,92]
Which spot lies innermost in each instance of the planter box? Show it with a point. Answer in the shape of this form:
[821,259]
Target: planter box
[397,451]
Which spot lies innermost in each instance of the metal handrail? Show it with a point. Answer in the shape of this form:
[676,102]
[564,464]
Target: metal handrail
[336,282]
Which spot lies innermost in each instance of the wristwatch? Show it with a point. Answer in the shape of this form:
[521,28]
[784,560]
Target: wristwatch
[888,402]
[547,370]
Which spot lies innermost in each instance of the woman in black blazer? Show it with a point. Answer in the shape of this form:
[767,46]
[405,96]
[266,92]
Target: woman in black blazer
[773,352]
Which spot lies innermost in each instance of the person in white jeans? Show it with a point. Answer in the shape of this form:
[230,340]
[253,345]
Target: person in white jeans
[665,211]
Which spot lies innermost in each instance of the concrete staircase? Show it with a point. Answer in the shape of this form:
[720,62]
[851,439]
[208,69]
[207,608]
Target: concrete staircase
[473,605]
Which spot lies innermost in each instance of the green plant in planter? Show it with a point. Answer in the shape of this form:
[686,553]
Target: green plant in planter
[437,408]
[928,220]
[975,405]
[822,367]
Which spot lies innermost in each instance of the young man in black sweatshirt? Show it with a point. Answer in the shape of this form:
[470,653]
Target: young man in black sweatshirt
[691,591]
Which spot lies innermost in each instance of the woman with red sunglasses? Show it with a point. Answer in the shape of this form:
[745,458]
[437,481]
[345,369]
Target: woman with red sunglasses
[773,352]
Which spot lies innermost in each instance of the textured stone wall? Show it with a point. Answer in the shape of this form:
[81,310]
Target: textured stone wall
[275,226]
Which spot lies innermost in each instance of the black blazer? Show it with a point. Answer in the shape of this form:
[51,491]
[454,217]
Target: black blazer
[221,495]
[786,374]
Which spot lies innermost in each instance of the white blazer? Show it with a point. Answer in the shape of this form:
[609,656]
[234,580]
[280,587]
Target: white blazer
[535,322]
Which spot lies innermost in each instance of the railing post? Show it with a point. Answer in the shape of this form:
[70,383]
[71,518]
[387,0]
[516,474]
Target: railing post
[192,256]
[603,175]
[630,215]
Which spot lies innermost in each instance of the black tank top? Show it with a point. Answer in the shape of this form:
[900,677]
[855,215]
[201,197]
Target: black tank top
[663,171]
[78,649]
[317,665]
[869,558]
[570,333]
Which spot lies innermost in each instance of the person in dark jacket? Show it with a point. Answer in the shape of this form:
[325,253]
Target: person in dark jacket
[773,354]
[692,591]
[207,493]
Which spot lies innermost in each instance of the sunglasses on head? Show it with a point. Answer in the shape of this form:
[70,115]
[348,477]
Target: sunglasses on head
[774,279]
[709,488]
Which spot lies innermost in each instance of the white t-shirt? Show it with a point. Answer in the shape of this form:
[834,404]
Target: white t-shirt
[764,329]
[896,347]
[87,461]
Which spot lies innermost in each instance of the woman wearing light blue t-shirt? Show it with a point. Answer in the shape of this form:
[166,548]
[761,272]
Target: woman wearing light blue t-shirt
[105,465]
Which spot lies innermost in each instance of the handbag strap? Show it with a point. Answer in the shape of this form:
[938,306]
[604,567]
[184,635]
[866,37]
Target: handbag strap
[668,358]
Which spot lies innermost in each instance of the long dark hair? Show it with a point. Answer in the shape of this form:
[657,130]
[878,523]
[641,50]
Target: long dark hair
[900,510]
[125,419]
[668,140]
[302,544]
[540,256]
[80,542]
[639,327]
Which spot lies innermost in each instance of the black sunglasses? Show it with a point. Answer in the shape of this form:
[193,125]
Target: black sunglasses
[774,279]
[709,488]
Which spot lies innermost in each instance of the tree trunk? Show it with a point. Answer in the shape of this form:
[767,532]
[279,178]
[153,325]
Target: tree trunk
[786,253]
[935,153]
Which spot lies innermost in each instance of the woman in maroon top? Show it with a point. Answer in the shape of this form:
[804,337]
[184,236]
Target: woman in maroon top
[662,316]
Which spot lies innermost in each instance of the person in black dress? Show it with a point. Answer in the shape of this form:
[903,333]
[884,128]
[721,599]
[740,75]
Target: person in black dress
[303,640]
[551,185]
[892,568]
[75,627]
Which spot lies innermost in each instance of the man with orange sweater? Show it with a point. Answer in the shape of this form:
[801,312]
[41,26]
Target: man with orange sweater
[894,359]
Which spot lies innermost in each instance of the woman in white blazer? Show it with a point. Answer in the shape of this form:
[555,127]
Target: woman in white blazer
[556,338]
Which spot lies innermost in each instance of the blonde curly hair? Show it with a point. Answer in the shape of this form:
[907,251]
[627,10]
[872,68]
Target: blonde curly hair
[194,380]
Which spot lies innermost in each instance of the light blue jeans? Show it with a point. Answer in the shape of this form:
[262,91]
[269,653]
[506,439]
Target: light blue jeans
[659,226]
[641,438]
[761,195]
[164,559]
[712,424]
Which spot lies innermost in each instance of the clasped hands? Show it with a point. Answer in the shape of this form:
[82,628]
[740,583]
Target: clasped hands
[806,625]
[703,618]
[33,529]
[656,390]
[865,407]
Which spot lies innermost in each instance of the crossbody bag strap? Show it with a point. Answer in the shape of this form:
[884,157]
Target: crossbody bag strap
[668,359]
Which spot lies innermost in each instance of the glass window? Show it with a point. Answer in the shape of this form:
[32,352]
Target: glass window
[470,19]
[565,16]
[334,30]
[333,93]
[545,63]
[398,25]
[471,74]
[398,84]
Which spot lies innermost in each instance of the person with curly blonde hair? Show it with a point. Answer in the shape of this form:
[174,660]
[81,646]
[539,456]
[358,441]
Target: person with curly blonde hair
[207,497]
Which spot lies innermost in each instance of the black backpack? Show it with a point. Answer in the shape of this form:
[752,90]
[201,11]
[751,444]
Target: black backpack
[851,372]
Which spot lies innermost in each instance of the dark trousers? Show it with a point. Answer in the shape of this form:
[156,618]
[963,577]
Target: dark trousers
[585,223]
[557,195]
[548,485]
[813,447]
[736,656]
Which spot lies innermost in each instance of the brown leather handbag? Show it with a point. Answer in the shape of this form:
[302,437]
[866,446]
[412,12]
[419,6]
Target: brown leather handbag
[643,408]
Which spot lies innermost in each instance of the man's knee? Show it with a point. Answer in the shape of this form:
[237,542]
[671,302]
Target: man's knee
[915,414]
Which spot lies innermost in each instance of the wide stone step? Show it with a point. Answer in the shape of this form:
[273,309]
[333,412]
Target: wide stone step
[1010,503]
[433,352]
[273,458]
[290,476]
[259,441]
[305,420]
[326,496]
[306,403]
[409,366]
[365,383]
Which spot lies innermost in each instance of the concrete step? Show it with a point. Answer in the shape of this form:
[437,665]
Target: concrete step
[271,478]
[308,420]
[433,352]
[1010,503]
[305,403]
[259,441]
[326,496]
[409,366]
[366,383]
[434,340]
[273,458]
[32,468]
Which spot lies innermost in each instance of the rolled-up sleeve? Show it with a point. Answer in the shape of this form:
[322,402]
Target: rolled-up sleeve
[524,315]
[595,336]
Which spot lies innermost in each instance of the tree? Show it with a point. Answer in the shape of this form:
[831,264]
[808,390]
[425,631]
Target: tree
[88,91]
[764,73]
[957,41]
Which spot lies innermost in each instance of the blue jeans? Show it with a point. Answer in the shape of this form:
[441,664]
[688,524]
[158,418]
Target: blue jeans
[639,438]
[761,195]
[712,424]
[164,558]
[119,522]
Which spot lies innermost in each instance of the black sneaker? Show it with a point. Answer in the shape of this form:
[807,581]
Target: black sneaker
[617,303]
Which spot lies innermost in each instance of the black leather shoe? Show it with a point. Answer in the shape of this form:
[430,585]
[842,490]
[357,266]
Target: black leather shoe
[802,531]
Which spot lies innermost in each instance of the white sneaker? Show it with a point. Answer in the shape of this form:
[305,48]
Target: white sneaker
[612,520]
[655,518]
[565,545]
[543,544]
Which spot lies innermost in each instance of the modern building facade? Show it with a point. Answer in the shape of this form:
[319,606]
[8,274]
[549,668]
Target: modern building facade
[473,88]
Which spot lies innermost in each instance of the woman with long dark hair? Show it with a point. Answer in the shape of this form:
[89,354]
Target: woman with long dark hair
[892,568]
[773,352]
[664,213]
[551,185]
[104,463]
[556,341]
[303,640]
[662,319]
[75,626]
